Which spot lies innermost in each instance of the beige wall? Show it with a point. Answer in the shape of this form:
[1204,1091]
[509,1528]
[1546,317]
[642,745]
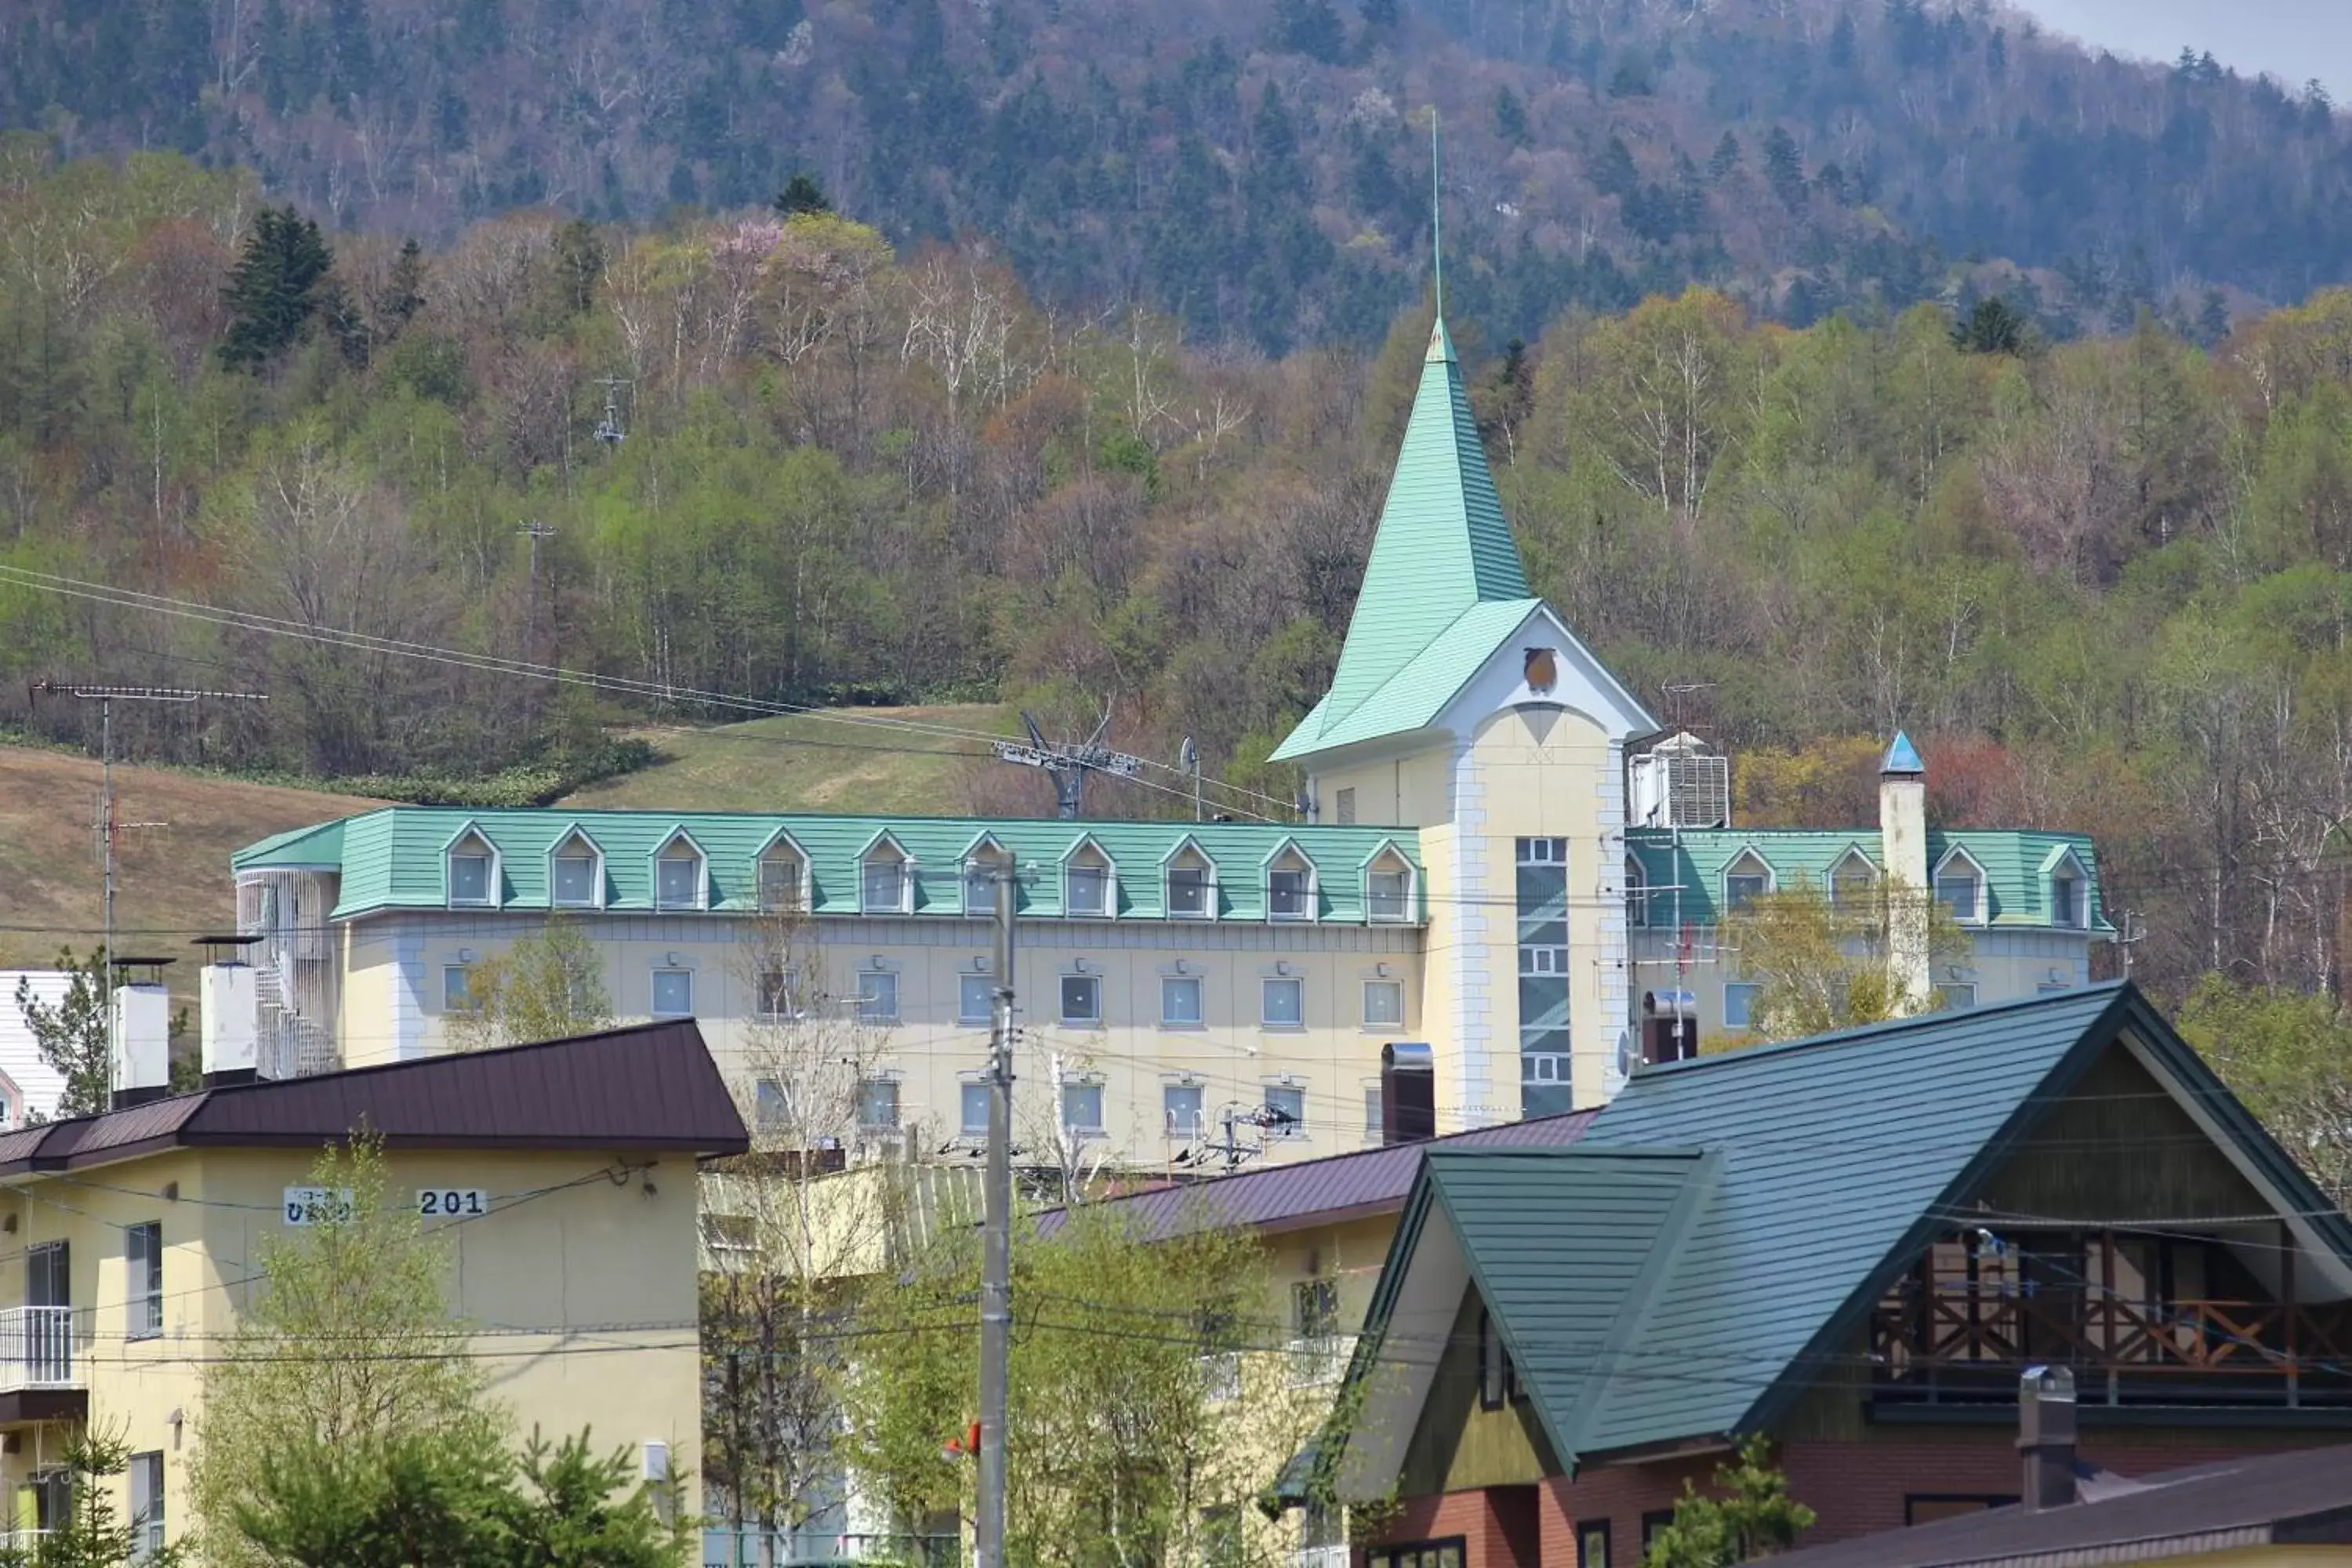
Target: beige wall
[600,1278]
[1408,790]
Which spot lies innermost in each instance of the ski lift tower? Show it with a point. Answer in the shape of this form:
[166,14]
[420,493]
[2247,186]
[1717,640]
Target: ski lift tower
[1067,763]
[608,429]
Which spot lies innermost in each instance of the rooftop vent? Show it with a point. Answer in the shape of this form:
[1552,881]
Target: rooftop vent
[1678,783]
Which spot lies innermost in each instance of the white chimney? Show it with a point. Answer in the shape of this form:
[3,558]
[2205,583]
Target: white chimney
[141,1032]
[231,1022]
[1902,846]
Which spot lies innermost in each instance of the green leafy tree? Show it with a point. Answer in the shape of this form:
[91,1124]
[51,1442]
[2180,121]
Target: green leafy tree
[1822,962]
[544,987]
[71,1035]
[2288,1056]
[279,284]
[1755,1518]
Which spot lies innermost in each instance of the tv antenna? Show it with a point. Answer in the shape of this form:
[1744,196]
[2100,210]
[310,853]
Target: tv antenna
[1678,689]
[1187,757]
[1069,763]
[608,429]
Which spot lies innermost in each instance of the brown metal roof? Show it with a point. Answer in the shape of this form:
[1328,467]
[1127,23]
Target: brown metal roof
[2303,1498]
[652,1086]
[1320,1192]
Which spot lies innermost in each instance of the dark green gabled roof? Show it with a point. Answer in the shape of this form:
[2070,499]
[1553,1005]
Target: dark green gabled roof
[1829,1163]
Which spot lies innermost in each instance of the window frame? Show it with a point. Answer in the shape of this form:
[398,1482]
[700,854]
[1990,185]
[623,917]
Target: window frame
[465,993]
[1587,1531]
[1086,980]
[653,997]
[1438,1551]
[776,993]
[144,1301]
[965,1126]
[1978,911]
[575,845]
[2073,912]
[1388,860]
[1392,987]
[782,850]
[986,1016]
[1375,1113]
[1289,861]
[767,1092]
[866,1010]
[1081,1084]
[1188,849]
[1838,873]
[146,1473]
[1266,985]
[471,843]
[867,1091]
[1199,1019]
[1561,1063]
[1734,904]
[1945,989]
[1075,862]
[1169,1126]
[868,859]
[1753,989]
[697,858]
[1297,1127]
[975,877]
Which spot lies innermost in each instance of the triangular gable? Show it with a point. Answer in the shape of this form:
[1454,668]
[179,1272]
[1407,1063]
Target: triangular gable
[1195,845]
[676,835]
[781,839]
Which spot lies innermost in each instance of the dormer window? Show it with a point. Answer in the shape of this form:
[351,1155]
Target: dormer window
[473,872]
[1290,885]
[783,879]
[1191,886]
[1852,881]
[575,877]
[2069,896]
[1959,888]
[980,863]
[679,874]
[1744,880]
[886,882]
[1387,887]
[1087,883]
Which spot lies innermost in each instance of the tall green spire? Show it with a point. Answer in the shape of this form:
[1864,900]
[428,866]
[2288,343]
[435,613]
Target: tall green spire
[1442,546]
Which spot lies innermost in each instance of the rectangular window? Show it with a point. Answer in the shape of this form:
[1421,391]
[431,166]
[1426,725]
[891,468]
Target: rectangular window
[1286,1106]
[1082,999]
[469,878]
[455,997]
[146,1506]
[973,1120]
[883,889]
[1390,896]
[1447,1553]
[1283,1004]
[575,882]
[1543,1067]
[673,993]
[1494,1364]
[1653,1523]
[2066,901]
[1315,1308]
[1289,895]
[1082,1107]
[1180,1000]
[1181,1107]
[1346,799]
[780,883]
[1373,1126]
[979,890]
[1741,889]
[772,1104]
[1957,995]
[677,882]
[1543,961]
[1090,890]
[779,993]
[877,996]
[877,1104]
[1957,890]
[1188,892]
[1383,1003]
[1592,1543]
[1543,851]
[976,999]
[142,1256]
[1738,1001]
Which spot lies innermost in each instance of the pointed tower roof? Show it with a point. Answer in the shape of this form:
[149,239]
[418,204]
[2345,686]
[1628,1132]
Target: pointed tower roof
[1902,757]
[1442,550]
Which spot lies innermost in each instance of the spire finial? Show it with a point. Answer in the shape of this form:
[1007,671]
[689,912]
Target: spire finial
[1436,216]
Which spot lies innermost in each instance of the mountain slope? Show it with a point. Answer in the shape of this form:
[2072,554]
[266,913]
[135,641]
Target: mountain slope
[1265,175]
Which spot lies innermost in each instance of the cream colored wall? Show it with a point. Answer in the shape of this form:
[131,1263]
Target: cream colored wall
[1405,790]
[599,1277]
[1233,1054]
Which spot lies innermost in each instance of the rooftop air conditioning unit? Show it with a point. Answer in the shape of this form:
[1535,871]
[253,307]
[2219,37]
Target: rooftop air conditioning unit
[1678,783]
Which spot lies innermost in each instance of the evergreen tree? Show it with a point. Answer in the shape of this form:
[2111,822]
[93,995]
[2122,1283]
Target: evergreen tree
[1725,158]
[802,194]
[1757,1519]
[1994,326]
[1310,28]
[1616,175]
[1383,15]
[1784,168]
[1510,117]
[278,287]
[2213,322]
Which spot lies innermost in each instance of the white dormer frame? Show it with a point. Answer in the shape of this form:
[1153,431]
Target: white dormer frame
[575,833]
[985,844]
[701,870]
[782,842]
[496,882]
[1852,855]
[2064,861]
[887,840]
[1389,850]
[1272,863]
[1087,841]
[1982,914]
[1749,855]
[1188,844]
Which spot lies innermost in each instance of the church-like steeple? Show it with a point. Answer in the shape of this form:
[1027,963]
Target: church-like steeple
[1442,548]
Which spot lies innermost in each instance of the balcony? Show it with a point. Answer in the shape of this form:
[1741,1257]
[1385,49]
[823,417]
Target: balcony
[1334,1556]
[755,1548]
[36,1349]
[1318,1359]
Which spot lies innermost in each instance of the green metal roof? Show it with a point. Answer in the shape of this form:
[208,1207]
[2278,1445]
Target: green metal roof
[2016,866]
[1831,1163]
[1443,547]
[397,858]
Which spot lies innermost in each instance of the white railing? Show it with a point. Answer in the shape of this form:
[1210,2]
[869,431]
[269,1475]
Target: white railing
[1320,1557]
[36,1349]
[25,1542]
[1320,1358]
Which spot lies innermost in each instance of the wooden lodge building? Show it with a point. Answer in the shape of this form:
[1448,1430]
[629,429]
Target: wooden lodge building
[1853,1245]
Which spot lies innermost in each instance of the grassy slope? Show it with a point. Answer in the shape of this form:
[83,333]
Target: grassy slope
[810,764]
[171,882]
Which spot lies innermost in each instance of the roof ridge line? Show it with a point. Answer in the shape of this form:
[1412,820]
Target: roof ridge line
[1775,1048]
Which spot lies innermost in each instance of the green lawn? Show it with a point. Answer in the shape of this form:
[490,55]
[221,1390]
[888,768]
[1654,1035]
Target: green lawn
[818,764]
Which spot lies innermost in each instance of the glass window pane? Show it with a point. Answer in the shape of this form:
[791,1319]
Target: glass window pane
[877,1103]
[1181,1107]
[469,878]
[779,995]
[974,1119]
[975,998]
[1957,995]
[1390,895]
[1287,895]
[679,882]
[1956,892]
[1741,890]
[1082,1107]
[1738,1001]
[1372,1123]
[1288,1103]
[1081,999]
[877,996]
[885,885]
[1188,892]
[1285,1002]
[772,1104]
[780,883]
[454,999]
[1384,1001]
[673,993]
[1090,890]
[1180,999]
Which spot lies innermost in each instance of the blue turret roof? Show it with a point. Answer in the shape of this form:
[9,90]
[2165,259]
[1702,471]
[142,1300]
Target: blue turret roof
[1903,757]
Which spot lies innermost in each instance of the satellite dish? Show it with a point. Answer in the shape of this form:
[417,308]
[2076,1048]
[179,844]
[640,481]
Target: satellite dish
[1188,756]
[1628,1058]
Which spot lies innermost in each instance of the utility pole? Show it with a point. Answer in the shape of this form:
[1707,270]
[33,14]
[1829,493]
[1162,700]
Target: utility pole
[1189,759]
[996,1241]
[2132,934]
[534,531]
[109,825]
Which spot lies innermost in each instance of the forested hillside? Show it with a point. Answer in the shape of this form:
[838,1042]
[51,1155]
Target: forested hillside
[1261,172]
[2107,584]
